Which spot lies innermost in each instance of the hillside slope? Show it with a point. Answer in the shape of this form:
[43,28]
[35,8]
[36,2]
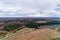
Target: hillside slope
[41,34]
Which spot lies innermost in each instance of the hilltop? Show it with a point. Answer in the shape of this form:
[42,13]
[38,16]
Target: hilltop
[29,34]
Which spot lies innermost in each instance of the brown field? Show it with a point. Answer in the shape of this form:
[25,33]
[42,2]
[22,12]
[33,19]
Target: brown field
[29,34]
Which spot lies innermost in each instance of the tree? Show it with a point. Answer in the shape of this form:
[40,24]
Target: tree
[32,24]
[12,27]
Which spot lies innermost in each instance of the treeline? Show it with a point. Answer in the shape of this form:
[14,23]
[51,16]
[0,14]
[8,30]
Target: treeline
[50,23]
[29,24]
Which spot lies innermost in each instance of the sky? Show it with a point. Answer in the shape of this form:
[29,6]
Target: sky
[29,8]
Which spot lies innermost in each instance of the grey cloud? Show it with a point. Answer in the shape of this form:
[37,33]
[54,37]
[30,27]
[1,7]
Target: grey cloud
[37,5]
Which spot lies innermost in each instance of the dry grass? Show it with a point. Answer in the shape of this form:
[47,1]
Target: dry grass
[41,34]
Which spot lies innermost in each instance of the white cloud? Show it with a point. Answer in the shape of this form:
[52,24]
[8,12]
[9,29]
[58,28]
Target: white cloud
[29,8]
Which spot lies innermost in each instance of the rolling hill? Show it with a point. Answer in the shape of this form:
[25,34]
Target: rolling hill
[29,34]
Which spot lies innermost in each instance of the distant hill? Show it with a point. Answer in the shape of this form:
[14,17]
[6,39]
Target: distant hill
[30,18]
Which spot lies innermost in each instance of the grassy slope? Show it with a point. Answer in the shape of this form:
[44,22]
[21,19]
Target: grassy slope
[29,34]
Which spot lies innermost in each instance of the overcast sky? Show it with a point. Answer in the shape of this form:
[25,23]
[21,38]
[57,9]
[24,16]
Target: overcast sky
[29,8]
